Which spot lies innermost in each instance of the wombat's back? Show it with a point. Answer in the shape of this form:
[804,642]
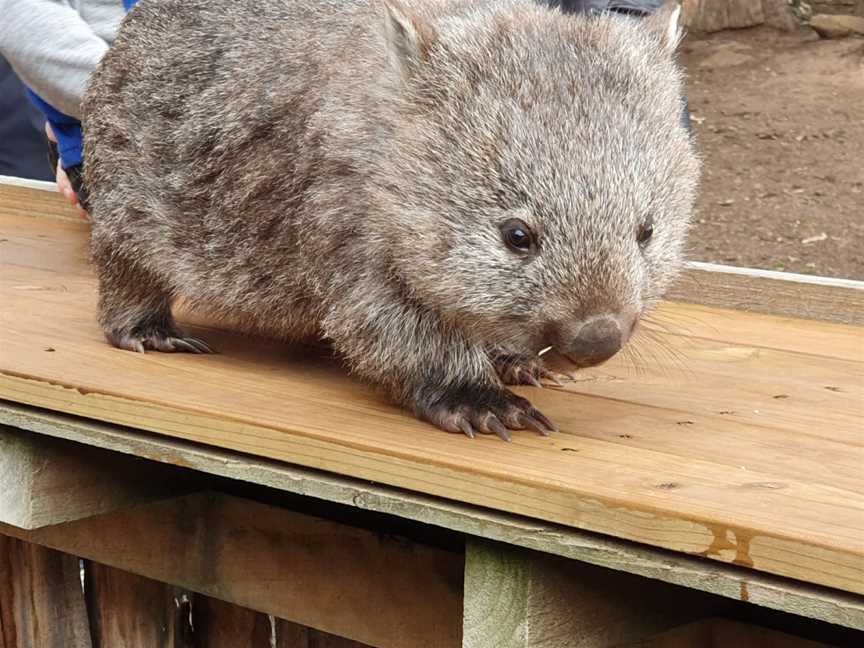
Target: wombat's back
[192,85]
[206,128]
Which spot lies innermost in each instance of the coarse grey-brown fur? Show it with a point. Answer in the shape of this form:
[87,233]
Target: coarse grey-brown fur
[341,169]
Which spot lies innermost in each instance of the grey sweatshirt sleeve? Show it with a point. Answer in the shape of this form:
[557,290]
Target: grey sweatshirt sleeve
[54,45]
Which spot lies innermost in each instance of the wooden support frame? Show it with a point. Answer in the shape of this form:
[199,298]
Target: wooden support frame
[728,581]
[513,598]
[42,605]
[389,593]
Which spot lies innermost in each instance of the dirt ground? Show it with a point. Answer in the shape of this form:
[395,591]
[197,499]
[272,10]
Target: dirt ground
[779,120]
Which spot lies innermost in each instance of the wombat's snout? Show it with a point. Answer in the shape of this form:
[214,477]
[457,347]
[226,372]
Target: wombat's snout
[598,339]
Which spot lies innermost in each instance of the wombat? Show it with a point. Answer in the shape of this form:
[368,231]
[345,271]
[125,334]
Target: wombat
[441,188]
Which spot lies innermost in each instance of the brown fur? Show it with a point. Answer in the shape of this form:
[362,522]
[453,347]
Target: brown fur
[341,168]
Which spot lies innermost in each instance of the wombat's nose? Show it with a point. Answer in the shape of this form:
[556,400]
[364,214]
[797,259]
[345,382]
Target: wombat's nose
[597,340]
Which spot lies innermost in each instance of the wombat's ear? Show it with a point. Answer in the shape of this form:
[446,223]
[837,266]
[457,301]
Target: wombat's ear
[666,24]
[408,36]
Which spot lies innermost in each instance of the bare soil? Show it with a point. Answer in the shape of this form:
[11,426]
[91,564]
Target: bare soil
[779,120]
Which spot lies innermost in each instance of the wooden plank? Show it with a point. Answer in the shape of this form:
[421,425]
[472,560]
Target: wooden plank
[47,481]
[329,576]
[771,293]
[30,198]
[740,385]
[726,500]
[755,331]
[722,632]
[709,576]
[41,600]
[521,599]
[128,610]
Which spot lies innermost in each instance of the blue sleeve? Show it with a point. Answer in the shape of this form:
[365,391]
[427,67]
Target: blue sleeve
[70,142]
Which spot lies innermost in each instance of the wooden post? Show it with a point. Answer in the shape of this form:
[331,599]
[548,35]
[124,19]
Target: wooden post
[41,600]
[521,599]
[134,612]
[222,625]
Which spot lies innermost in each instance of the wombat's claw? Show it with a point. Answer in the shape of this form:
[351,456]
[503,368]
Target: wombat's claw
[492,424]
[539,423]
[159,340]
[498,428]
[486,410]
[552,377]
[188,344]
[466,428]
[523,377]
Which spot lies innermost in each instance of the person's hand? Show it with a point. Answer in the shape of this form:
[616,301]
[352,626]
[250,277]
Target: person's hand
[63,184]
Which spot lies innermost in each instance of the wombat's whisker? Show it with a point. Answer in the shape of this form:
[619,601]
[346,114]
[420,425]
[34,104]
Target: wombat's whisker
[648,321]
[637,359]
[664,354]
[679,320]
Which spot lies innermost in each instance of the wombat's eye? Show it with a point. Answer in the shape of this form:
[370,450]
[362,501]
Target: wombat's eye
[517,235]
[646,231]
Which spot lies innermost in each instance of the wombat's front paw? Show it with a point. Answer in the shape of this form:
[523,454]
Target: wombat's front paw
[523,370]
[157,338]
[485,409]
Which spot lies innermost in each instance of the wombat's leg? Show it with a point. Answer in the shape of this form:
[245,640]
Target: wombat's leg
[428,367]
[135,313]
[517,369]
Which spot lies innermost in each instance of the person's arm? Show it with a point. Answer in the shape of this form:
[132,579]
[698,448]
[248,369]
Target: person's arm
[51,48]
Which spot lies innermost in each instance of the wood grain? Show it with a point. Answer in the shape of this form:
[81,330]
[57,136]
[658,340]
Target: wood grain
[524,599]
[46,481]
[221,625]
[130,611]
[379,590]
[30,198]
[41,600]
[771,293]
[652,455]
[692,572]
